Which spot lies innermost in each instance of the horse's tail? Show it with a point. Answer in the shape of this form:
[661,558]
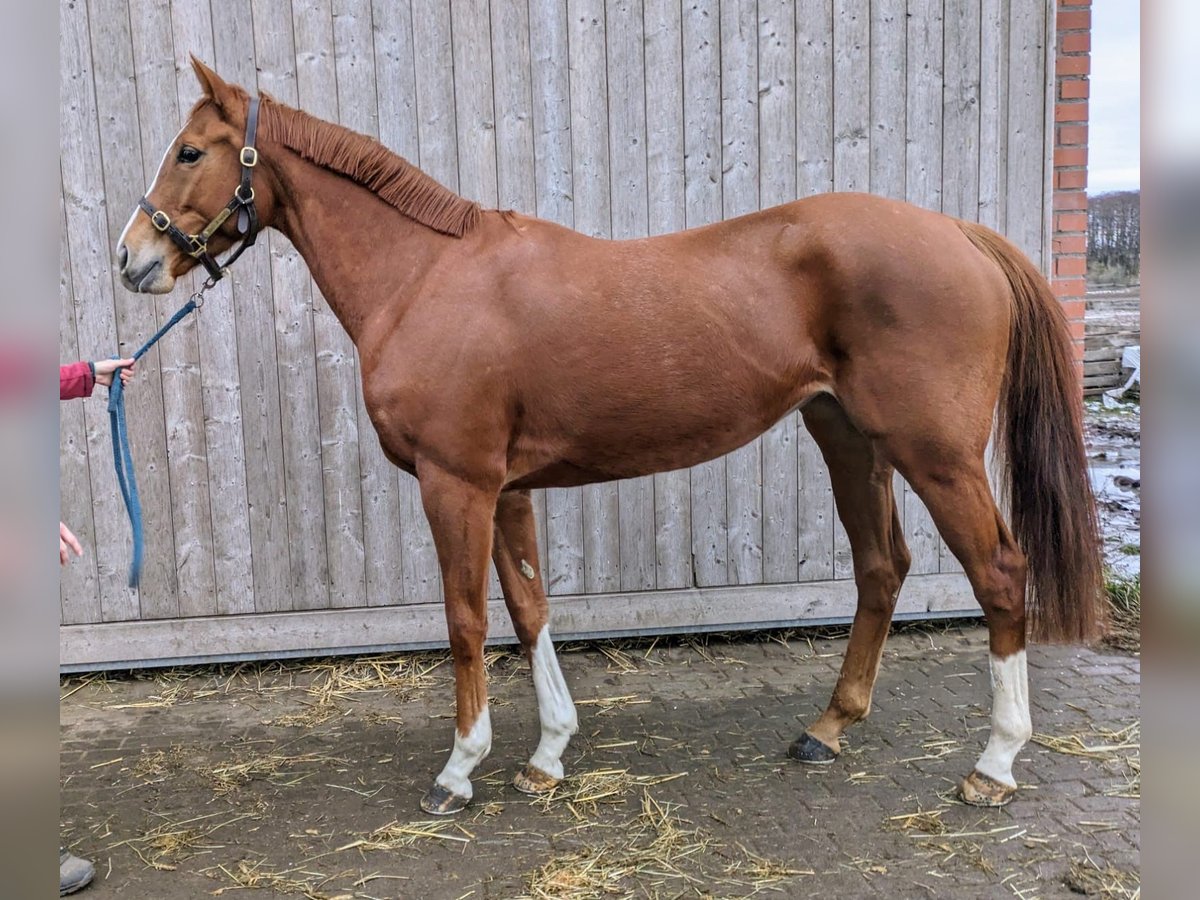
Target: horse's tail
[1045,476]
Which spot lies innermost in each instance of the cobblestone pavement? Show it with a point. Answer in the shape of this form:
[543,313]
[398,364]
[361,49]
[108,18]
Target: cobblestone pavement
[303,778]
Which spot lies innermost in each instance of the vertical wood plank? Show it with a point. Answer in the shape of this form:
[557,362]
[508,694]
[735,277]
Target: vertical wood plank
[354,53]
[923,168]
[79,591]
[275,56]
[666,213]
[960,137]
[993,112]
[1026,126]
[630,219]
[851,152]
[178,356]
[92,290]
[814,175]
[121,164]
[553,173]
[593,216]
[220,387]
[233,25]
[739,195]
[396,88]
[702,189]
[516,181]
[777,152]
[852,95]
[889,128]
[474,100]
[335,362]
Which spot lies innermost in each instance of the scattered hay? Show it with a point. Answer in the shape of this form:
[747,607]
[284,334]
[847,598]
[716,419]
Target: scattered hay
[1118,749]
[255,875]
[314,715]
[155,766]
[584,793]
[1124,612]
[277,768]
[652,855]
[923,821]
[171,842]
[402,677]
[396,835]
[1086,877]
[762,872]
[611,704]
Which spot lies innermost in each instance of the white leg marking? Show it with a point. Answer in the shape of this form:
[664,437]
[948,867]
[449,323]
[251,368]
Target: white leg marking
[1011,725]
[555,708]
[468,752]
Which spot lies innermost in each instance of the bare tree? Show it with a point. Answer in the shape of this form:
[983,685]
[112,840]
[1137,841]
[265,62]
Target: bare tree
[1115,236]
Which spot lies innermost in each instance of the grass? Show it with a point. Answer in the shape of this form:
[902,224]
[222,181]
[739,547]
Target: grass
[1125,612]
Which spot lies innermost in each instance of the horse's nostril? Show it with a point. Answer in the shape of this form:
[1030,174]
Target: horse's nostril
[122,256]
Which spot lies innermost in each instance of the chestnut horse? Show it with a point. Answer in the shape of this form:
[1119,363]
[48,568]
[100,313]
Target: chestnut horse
[501,353]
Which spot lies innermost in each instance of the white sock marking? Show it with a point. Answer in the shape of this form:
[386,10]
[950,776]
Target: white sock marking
[555,708]
[468,752]
[1011,725]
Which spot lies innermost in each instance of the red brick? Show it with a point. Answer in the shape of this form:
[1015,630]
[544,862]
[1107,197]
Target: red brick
[1074,89]
[1065,200]
[1076,330]
[1070,243]
[1075,43]
[1070,179]
[1073,309]
[1070,156]
[1069,287]
[1072,135]
[1065,223]
[1070,265]
[1074,111]
[1063,4]
[1072,65]
[1073,20]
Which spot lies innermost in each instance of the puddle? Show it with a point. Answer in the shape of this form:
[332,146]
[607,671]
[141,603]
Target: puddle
[1114,441]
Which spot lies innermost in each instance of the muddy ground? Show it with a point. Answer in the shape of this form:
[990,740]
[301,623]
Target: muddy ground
[1114,449]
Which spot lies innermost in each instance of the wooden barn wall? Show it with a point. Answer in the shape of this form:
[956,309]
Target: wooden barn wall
[263,486]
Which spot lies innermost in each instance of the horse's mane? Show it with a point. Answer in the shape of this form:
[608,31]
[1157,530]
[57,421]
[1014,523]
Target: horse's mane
[366,161]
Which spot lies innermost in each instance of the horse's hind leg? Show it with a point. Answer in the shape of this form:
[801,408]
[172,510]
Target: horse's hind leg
[954,487]
[862,490]
[514,552]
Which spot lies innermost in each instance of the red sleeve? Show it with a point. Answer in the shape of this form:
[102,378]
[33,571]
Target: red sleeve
[75,381]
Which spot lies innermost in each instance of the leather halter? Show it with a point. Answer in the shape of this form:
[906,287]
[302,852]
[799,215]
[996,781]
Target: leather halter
[196,245]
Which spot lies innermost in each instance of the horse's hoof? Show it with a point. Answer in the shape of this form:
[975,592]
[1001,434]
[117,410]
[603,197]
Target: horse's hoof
[532,780]
[978,789]
[810,751]
[441,802]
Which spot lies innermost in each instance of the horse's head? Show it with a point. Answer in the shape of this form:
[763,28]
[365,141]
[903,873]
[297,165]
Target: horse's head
[196,181]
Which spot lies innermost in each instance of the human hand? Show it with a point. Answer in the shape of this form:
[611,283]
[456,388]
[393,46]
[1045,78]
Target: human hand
[106,367]
[67,542]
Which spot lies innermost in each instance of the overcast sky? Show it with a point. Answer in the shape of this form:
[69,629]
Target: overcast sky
[1113,162]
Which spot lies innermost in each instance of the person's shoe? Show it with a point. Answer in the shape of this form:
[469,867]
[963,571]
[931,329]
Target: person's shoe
[74,874]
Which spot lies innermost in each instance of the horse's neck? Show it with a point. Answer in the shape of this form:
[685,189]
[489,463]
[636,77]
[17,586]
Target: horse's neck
[361,252]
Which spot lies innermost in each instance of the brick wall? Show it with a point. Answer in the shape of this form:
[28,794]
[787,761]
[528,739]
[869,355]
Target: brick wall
[1069,242]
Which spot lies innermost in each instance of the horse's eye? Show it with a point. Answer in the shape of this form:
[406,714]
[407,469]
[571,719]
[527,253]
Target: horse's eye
[188,155]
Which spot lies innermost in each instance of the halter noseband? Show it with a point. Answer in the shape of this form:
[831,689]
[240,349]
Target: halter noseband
[196,245]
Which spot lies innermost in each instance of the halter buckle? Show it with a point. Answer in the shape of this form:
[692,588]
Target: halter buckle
[249,157]
[160,220]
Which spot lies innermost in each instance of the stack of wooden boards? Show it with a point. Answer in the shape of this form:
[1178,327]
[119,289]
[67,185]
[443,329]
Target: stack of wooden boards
[1113,322]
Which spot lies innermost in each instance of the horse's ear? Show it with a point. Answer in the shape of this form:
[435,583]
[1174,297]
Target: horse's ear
[213,85]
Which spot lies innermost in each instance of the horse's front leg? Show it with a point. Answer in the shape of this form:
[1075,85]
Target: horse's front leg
[461,514]
[516,557]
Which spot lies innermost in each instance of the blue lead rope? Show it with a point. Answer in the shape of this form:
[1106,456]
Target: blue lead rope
[122,458]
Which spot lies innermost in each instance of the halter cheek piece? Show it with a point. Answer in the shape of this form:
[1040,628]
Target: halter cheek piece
[196,245]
